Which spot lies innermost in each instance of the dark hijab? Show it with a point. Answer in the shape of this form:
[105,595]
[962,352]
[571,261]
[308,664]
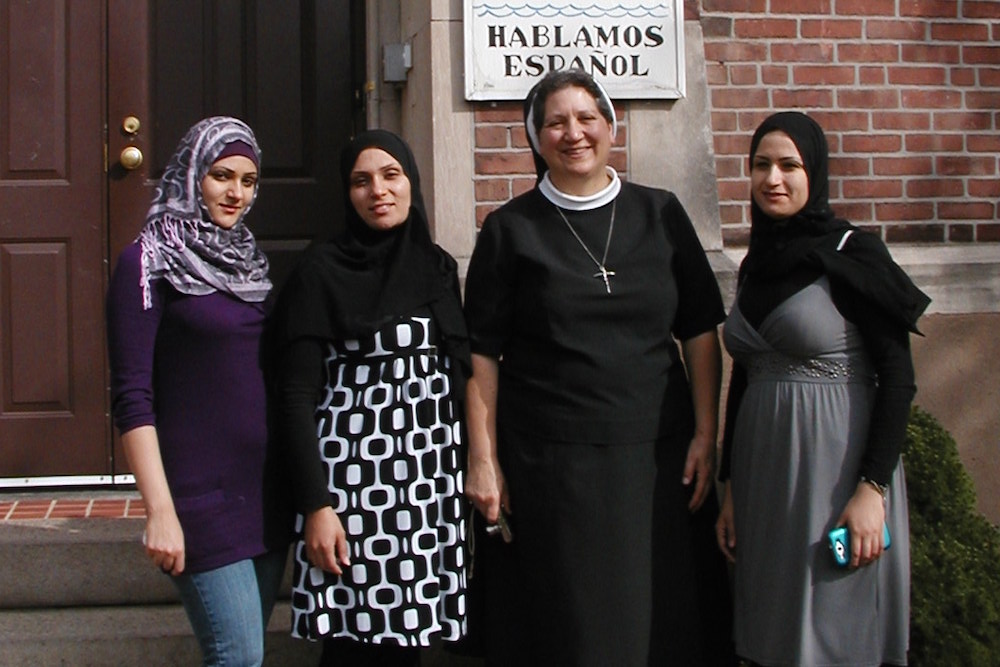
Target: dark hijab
[351,286]
[815,237]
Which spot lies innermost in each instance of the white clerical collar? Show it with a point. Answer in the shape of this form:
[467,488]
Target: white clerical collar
[585,203]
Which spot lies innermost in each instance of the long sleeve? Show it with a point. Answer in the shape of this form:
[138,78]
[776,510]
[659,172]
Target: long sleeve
[298,381]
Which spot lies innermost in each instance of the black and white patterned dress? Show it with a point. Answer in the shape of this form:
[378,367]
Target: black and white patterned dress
[391,445]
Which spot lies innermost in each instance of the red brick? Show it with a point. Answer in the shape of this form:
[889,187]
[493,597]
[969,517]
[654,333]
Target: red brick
[735,237]
[982,99]
[731,214]
[981,9]
[901,120]
[842,121]
[880,98]
[986,55]
[962,76]
[871,76]
[728,167]
[872,189]
[927,233]
[871,143]
[716,26]
[731,144]
[498,112]
[504,163]
[866,7]
[856,212]
[868,53]
[790,99]
[987,233]
[734,6]
[800,52]
[774,75]
[984,187]
[966,210]
[929,8]
[724,121]
[984,143]
[954,165]
[823,75]
[966,121]
[903,166]
[491,136]
[850,166]
[960,32]
[518,136]
[932,188]
[766,28]
[717,74]
[800,8]
[727,52]
[829,28]
[932,99]
[734,190]
[918,76]
[521,185]
[743,75]
[896,30]
[692,10]
[961,233]
[492,189]
[930,53]
[737,99]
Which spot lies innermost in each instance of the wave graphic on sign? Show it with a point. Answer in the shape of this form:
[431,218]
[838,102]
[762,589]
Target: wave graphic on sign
[548,10]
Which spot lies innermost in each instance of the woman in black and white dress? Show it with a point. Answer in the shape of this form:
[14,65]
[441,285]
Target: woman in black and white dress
[371,354]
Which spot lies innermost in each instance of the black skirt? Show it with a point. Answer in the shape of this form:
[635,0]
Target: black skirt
[607,565]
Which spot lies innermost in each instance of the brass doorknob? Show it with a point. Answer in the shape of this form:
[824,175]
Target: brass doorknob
[131,125]
[131,158]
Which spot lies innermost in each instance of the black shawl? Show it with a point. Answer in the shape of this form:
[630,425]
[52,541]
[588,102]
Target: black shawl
[815,236]
[354,284]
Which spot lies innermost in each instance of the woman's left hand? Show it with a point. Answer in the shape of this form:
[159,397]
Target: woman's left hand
[699,468]
[864,517]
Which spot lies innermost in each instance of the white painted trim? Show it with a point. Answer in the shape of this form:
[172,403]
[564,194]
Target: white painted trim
[65,480]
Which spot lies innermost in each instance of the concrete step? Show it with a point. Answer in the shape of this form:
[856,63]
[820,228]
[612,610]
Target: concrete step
[78,562]
[153,636]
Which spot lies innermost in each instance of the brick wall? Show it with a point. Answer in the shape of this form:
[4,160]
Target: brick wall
[908,92]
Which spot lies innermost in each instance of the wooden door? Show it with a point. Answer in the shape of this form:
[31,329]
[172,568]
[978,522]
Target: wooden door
[68,205]
[53,240]
[289,69]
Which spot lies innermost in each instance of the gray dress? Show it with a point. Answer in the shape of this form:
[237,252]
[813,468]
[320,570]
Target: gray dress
[800,435]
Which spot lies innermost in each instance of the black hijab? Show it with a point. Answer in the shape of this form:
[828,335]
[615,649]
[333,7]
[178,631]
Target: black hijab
[354,284]
[815,237]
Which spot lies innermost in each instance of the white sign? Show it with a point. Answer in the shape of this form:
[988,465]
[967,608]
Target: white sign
[634,47]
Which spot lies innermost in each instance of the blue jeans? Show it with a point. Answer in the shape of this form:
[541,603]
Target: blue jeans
[229,608]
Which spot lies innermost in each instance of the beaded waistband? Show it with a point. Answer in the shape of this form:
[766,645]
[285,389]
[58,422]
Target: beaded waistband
[811,370]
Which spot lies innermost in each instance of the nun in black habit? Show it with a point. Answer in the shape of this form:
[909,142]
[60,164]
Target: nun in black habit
[586,298]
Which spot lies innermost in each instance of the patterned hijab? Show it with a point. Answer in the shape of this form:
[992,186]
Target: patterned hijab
[815,237]
[180,243]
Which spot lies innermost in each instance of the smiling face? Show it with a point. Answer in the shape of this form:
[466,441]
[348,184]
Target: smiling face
[778,181]
[228,188]
[575,141]
[379,189]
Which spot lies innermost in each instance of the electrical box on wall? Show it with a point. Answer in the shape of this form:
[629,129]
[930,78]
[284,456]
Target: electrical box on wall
[396,62]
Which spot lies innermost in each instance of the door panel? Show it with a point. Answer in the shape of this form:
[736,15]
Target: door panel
[283,67]
[52,241]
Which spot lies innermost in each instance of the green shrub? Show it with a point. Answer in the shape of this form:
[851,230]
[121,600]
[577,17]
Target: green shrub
[955,555]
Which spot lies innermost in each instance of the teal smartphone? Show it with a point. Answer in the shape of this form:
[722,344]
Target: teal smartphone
[840,544]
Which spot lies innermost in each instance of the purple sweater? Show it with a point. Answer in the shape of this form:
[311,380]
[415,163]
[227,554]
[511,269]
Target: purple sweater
[190,367]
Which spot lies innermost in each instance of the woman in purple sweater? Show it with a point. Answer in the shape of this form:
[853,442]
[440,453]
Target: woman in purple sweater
[185,318]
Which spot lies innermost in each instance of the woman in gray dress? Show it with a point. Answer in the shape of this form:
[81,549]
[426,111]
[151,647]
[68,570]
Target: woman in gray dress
[816,417]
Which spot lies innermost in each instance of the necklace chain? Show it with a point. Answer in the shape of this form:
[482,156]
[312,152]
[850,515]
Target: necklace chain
[603,273]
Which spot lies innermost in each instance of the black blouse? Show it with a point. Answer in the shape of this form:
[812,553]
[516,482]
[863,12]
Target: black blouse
[578,364]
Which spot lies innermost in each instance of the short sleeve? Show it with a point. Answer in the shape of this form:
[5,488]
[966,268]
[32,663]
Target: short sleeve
[699,306]
[489,290]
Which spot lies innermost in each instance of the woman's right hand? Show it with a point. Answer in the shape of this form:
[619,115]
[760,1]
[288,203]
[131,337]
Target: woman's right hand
[164,541]
[326,541]
[486,488]
[725,527]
